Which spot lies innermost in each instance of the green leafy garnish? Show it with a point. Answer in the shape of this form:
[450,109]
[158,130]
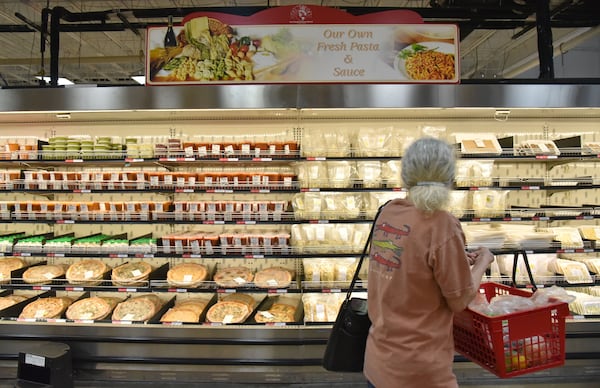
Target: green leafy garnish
[411,50]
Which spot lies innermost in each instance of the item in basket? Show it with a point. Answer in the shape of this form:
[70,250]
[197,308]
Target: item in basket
[138,308]
[10,300]
[92,308]
[233,276]
[278,312]
[187,275]
[131,274]
[234,308]
[86,272]
[43,274]
[7,265]
[517,349]
[273,277]
[46,308]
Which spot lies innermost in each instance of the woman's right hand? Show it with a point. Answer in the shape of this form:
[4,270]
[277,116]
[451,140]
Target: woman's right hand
[481,257]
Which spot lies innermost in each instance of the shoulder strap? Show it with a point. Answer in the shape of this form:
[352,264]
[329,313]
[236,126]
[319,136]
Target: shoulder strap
[364,252]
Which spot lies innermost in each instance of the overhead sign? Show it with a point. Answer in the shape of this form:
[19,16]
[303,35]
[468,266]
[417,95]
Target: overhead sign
[303,44]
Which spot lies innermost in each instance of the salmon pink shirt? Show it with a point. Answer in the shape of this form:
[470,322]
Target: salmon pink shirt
[417,262]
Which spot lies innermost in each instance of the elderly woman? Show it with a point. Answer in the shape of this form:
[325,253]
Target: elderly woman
[419,275]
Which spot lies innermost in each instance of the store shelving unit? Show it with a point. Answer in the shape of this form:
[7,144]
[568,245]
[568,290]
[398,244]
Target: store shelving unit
[300,111]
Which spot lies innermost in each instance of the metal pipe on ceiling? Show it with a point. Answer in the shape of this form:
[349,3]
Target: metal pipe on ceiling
[560,47]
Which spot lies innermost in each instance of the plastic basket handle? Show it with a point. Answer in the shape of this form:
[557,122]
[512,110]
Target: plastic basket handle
[527,267]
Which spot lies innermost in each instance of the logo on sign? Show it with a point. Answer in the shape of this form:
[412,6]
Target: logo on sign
[301,14]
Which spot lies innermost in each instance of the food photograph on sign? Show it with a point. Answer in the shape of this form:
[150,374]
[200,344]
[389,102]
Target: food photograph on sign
[206,50]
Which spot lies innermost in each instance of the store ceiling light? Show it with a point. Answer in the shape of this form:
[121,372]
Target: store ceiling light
[61,80]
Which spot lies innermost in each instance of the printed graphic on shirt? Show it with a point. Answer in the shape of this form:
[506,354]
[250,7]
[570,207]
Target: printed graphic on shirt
[387,251]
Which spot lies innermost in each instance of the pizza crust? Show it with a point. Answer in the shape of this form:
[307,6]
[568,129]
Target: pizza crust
[278,312]
[228,312]
[43,274]
[46,308]
[131,274]
[7,265]
[233,277]
[273,277]
[92,308]
[180,314]
[87,272]
[138,308]
[187,275]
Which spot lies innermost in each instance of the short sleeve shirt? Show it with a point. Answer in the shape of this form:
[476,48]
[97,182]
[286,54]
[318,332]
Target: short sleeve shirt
[417,261]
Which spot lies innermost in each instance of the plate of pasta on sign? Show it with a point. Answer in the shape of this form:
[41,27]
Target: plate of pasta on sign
[427,61]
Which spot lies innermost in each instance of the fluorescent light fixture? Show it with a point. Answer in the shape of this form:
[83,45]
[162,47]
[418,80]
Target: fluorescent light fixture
[61,80]
[140,79]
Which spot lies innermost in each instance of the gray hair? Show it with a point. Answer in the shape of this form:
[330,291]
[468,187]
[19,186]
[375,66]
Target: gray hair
[428,173]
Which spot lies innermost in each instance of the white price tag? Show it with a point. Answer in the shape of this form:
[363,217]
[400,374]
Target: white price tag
[35,360]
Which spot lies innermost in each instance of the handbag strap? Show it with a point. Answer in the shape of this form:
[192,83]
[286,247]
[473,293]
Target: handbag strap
[364,253]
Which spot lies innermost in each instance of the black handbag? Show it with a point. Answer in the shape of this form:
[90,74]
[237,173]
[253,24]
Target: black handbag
[345,349]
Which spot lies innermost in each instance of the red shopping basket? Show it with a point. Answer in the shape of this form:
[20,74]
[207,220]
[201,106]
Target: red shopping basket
[512,344]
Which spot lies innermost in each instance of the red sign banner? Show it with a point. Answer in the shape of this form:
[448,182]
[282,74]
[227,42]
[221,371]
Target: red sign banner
[302,44]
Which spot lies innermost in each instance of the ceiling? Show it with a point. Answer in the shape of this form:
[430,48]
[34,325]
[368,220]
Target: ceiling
[103,42]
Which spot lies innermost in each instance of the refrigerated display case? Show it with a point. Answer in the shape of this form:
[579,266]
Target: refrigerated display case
[285,176]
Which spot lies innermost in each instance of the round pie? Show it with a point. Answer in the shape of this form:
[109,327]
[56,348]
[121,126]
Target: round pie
[43,274]
[92,308]
[273,277]
[187,275]
[46,308]
[86,272]
[228,312]
[10,300]
[196,305]
[180,314]
[131,274]
[7,265]
[246,299]
[139,308]
[233,277]
[233,308]
[279,312]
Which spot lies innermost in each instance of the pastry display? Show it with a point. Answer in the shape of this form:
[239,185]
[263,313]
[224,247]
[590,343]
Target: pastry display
[187,275]
[273,277]
[234,308]
[86,272]
[180,315]
[131,274]
[7,265]
[46,308]
[92,308]
[137,308]
[195,304]
[232,277]
[10,300]
[278,312]
[43,274]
